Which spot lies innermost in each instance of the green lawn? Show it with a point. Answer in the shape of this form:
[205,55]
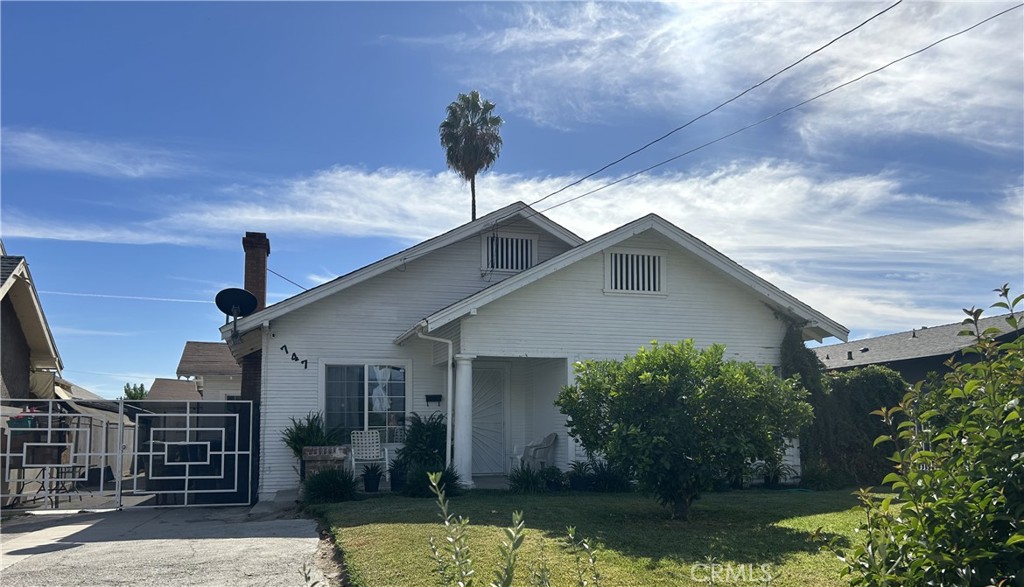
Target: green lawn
[385,539]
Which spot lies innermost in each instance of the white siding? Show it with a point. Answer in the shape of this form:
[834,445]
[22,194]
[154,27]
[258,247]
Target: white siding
[568,314]
[360,324]
[534,385]
[219,387]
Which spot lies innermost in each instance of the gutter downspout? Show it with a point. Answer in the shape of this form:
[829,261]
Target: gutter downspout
[448,382]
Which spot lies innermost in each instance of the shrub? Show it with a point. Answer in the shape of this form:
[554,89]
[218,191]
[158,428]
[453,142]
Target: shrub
[554,479]
[328,486]
[606,477]
[956,516]
[680,417]
[309,431]
[417,480]
[525,479]
[579,475]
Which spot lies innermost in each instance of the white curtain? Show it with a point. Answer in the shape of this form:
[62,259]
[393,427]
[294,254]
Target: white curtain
[379,397]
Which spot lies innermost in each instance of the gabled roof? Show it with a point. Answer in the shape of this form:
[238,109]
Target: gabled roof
[817,324]
[515,211]
[928,341]
[207,358]
[16,285]
[174,389]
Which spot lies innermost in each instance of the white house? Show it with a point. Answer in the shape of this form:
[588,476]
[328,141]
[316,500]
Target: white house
[485,323]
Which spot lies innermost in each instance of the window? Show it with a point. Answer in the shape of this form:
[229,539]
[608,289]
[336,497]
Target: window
[504,252]
[635,272]
[365,397]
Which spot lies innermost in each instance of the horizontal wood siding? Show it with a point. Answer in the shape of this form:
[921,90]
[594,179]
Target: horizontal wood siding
[548,377]
[568,313]
[219,387]
[357,324]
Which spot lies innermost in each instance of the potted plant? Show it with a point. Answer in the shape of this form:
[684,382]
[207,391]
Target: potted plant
[309,431]
[398,471]
[371,477]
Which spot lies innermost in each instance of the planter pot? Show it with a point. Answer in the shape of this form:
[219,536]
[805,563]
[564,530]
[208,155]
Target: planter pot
[371,484]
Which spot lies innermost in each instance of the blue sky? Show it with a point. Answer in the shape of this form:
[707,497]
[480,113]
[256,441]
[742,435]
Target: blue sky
[141,140]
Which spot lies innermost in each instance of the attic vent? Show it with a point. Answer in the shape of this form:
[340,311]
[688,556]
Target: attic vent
[635,272]
[509,253]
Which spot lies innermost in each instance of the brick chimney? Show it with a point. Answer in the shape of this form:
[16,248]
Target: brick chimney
[257,248]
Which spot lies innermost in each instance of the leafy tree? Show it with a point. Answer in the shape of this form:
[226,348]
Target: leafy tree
[136,391]
[956,516]
[470,137]
[679,417]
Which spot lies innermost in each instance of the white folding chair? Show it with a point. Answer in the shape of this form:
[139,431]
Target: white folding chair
[366,448]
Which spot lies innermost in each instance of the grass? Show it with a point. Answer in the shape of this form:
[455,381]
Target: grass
[385,539]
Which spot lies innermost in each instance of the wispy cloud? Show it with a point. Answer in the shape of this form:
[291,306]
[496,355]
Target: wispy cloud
[61,152]
[121,297]
[70,331]
[565,63]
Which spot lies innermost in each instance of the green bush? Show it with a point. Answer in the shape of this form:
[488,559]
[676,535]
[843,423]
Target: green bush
[417,480]
[606,477]
[525,479]
[329,486]
[579,475]
[554,478]
[956,514]
[309,431]
[680,418]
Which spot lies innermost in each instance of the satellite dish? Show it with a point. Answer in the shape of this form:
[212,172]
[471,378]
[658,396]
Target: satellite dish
[236,302]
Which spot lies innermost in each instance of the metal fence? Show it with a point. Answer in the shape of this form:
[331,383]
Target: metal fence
[81,454]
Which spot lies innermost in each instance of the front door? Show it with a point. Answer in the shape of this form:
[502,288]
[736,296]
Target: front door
[489,384]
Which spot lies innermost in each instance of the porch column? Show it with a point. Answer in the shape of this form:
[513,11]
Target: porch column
[463,419]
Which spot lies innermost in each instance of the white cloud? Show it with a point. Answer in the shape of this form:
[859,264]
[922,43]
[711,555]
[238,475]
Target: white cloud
[565,63]
[862,248]
[57,152]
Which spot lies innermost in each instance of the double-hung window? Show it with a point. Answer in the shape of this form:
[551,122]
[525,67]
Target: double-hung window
[365,397]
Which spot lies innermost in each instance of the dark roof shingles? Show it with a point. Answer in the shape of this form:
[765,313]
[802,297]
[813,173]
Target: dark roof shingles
[929,341]
[207,358]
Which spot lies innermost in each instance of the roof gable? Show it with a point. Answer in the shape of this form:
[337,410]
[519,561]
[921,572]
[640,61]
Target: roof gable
[474,228]
[207,358]
[16,285]
[817,324]
[174,389]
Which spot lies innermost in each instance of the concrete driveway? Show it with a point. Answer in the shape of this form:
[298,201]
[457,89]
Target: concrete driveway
[182,546]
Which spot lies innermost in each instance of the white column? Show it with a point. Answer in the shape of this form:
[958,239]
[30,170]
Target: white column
[463,431]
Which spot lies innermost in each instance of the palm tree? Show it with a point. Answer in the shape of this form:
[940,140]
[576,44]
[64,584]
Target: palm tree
[470,138]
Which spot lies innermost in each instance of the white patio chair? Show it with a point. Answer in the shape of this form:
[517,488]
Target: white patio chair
[540,453]
[366,448]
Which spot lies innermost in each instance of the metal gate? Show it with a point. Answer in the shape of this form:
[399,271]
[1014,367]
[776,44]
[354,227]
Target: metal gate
[97,454]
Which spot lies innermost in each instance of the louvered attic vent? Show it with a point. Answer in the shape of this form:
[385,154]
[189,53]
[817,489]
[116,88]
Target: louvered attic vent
[509,253]
[635,272]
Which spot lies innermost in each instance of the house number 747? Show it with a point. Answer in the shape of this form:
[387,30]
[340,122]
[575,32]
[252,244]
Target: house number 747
[305,362]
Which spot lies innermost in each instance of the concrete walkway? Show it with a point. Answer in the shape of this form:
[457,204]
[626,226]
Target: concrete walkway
[182,546]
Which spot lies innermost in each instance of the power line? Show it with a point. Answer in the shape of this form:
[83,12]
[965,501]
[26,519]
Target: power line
[780,112]
[716,108]
[286,279]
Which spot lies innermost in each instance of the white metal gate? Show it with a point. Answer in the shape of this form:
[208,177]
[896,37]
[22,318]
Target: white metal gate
[97,454]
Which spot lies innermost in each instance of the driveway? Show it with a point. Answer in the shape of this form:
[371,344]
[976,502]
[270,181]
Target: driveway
[181,546]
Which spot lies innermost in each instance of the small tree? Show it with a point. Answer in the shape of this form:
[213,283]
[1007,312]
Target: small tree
[957,513]
[136,391]
[680,417]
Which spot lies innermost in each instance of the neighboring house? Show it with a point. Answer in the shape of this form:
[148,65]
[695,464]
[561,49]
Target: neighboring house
[485,323]
[174,389]
[211,366]
[29,361]
[913,354]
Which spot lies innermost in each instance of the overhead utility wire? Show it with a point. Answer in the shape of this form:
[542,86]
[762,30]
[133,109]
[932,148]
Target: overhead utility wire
[720,106]
[779,113]
[286,279]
